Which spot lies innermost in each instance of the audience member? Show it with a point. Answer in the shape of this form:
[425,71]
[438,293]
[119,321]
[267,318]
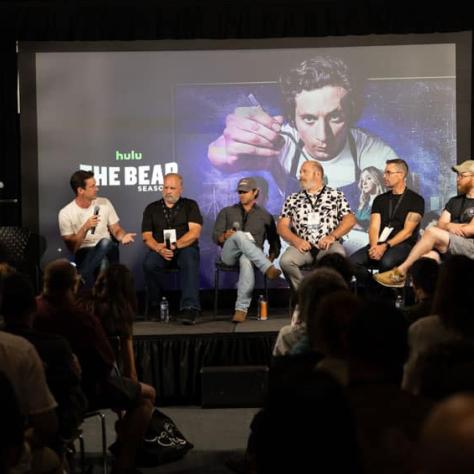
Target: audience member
[446,369]
[337,262]
[115,304]
[388,418]
[292,338]
[424,274]
[452,318]
[306,421]
[21,364]
[61,367]
[59,313]
[448,436]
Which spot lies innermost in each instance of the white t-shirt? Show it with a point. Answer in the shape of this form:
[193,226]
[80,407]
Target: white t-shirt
[72,218]
[22,365]
[340,171]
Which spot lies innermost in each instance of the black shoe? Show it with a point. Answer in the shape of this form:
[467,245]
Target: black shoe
[188,316]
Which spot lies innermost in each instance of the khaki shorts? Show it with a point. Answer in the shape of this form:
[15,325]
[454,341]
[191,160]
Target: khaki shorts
[461,246]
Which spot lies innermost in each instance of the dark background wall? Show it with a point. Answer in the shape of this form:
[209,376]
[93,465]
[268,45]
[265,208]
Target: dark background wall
[95,20]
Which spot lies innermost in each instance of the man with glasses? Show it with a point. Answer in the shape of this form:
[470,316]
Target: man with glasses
[453,234]
[394,223]
[241,230]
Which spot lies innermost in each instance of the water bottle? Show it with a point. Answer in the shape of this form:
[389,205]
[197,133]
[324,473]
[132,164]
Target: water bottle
[164,310]
[262,308]
[399,302]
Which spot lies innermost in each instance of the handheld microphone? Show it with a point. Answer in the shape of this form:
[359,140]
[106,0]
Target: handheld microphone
[168,242]
[96,213]
[235,226]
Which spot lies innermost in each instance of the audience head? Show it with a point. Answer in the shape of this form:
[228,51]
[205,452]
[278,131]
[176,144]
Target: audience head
[18,302]
[60,278]
[317,284]
[446,369]
[328,329]
[307,422]
[115,298]
[448,437]
[451,302]
[424,275]
[378,342]
[337,262]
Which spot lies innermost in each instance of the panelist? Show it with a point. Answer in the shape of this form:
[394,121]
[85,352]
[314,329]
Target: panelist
[313,221]
[87,225]
[241,230]
[171,228]
[394,223]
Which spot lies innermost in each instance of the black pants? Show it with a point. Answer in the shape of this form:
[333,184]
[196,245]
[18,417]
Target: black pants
[391,258]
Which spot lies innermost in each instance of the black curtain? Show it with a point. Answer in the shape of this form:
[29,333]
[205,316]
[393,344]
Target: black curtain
[93,20]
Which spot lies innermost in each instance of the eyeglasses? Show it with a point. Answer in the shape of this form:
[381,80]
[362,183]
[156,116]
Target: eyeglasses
[463,175]
[389,173]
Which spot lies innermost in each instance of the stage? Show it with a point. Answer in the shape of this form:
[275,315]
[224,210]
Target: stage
[170,356]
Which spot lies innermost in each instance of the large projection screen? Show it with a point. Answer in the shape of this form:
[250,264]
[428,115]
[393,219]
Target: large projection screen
[132,112]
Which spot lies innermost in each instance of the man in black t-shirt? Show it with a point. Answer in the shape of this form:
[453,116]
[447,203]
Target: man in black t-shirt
[454,232]
[171,229]
[394,222]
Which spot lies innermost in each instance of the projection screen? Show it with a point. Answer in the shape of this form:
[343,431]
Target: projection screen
[132,112]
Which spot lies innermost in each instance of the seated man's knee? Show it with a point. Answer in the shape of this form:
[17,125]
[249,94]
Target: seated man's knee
[287,261]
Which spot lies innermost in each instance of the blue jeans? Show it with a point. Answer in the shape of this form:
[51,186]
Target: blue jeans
[239,247]
[91,260]
[187,262]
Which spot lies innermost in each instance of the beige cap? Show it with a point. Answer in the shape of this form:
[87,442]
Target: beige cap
[465,167]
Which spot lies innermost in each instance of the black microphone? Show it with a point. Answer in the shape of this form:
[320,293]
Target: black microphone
[96,213]
[235,226]
[168,242]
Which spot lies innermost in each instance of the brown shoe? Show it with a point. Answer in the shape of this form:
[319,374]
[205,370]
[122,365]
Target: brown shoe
[391,278]
[239,316]
[272,273]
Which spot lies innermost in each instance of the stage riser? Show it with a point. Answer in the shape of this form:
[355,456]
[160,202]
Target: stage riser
[172,364]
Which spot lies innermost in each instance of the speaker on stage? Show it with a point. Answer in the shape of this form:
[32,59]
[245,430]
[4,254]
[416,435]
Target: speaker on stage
[243,386]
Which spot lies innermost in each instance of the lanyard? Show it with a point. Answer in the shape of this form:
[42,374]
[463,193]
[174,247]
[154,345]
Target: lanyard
[390,213]
[170,213]
[313,206]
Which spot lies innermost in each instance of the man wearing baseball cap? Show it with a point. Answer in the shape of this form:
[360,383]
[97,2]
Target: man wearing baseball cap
[241,230]
[453,234]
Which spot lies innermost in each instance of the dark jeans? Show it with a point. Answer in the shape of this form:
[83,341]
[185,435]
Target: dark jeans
[187,262]
[90,260]
[391,258]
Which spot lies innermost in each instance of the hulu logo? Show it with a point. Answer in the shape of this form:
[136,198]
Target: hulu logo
[133,155]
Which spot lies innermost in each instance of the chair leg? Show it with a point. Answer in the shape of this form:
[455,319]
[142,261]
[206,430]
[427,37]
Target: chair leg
[216,291]
[265,286]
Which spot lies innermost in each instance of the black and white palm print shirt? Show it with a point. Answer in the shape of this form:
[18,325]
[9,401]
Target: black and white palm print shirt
[313,216]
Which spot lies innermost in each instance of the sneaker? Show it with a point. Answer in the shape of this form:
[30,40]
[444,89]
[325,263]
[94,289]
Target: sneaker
[392,278]
[272,273]
[239,316]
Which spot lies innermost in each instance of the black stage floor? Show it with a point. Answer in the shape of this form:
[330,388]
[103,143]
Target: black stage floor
[208,324]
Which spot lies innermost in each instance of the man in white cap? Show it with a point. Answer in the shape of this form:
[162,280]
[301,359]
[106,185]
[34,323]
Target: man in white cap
[241,230]
[454,233]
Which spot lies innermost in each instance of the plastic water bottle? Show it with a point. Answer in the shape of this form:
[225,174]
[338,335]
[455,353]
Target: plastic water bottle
[262,308]
[164,310]
[399,302]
